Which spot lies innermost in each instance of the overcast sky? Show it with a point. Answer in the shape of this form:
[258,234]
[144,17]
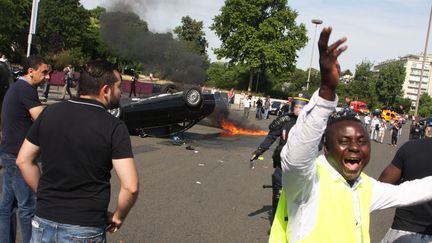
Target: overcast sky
[376,30]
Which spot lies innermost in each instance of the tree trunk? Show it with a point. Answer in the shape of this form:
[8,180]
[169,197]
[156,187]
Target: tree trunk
[258,79]
[251,74]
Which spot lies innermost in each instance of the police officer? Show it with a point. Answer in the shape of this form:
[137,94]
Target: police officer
[416,131]
[280,128]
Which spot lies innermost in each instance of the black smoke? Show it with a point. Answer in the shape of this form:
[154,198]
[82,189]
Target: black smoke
[124,31]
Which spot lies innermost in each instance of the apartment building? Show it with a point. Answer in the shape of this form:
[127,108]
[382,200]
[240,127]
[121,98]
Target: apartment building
[413,66]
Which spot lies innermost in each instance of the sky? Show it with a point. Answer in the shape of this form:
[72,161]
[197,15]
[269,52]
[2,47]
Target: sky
[376,30]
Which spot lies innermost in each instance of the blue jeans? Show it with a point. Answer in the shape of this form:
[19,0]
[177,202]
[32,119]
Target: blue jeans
[401,236]
[15,194]
[47,231]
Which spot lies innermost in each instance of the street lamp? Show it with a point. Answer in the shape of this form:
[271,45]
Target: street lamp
[33,21]
[423,65]
[316,22]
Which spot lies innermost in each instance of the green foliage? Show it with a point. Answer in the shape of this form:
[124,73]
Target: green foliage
[405,103]
[346,72]
[389,82]
[14,28]
[191,31]
[261,34]
[72,56]
[425,105]
[221,75]
[92,44]
[62,24]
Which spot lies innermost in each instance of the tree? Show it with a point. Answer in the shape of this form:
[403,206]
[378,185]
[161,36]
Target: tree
[425,105]
[191,32]
[62,24]
[221,75]
[389,82]
[363,87]
[346,72]
[261,34]
[14,27]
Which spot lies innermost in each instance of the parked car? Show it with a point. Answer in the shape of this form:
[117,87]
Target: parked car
[165,114]
[275,107]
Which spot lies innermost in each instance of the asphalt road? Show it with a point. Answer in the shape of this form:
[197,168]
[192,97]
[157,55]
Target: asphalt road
[209,194]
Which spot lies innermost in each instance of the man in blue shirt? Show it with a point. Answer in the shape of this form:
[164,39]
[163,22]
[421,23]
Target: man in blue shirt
[21,106]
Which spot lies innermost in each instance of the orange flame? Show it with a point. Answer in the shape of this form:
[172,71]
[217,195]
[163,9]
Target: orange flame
[232,130]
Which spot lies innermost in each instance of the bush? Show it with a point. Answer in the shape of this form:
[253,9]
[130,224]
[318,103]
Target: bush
[72,56]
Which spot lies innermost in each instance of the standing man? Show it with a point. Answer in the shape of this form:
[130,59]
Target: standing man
[247,104]
[382,129]
[259,109]
[412,161]
[21,106]
[367,120]
[326,197]
[133,85]
[79,143]
[416,131]
[374,128]
[68,77]
[280,128]
[267,105]
[6,79]
[395,133]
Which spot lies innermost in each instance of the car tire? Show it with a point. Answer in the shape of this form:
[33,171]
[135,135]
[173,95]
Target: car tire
[192,97]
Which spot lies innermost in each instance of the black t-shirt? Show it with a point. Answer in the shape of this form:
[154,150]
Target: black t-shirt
[414,159]
[78,139]
[16,118]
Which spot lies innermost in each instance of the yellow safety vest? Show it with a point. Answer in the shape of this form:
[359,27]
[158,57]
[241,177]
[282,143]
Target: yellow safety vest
[335,220]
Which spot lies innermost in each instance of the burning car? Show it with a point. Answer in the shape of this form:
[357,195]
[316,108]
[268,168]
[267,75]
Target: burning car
[165,114]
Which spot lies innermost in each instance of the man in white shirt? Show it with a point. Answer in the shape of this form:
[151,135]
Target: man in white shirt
[326,197]
[367,120]
[374,128]
[247,103]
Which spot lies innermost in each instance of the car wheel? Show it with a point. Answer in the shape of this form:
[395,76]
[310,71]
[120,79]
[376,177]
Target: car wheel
[115,112]
[192,97]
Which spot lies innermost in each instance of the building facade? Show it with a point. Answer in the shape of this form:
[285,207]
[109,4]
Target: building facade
[413,68]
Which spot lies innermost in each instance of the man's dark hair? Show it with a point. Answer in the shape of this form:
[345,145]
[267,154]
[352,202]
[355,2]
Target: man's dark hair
[94,75]
[333,121]
[33,62]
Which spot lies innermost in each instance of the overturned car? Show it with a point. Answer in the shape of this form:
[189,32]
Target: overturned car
[165,114]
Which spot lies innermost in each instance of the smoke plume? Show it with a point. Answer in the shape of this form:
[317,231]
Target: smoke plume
[124,31]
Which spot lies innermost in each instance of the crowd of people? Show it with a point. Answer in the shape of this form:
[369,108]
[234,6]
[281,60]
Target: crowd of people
[316,198]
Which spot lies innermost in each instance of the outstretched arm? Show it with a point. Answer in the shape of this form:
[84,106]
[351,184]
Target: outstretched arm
[302,147]
[329,65]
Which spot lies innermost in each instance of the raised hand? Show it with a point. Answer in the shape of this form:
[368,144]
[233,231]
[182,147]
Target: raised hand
[329,65]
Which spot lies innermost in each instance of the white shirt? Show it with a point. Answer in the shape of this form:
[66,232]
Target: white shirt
[374,122]
[247,103]
[301,183]
[367,119]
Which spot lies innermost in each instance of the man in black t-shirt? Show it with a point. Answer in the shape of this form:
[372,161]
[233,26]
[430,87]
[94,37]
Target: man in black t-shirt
[412,161]
[79,143]
[21,106]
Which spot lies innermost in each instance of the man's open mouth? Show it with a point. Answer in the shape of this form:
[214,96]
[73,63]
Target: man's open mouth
[352,164]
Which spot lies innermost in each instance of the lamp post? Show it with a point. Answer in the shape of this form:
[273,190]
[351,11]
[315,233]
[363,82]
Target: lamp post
[33,20]
[423,65]
[316,22]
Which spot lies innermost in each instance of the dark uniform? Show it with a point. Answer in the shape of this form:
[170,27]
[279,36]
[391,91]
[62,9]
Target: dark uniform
[416,132]
[279,128]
